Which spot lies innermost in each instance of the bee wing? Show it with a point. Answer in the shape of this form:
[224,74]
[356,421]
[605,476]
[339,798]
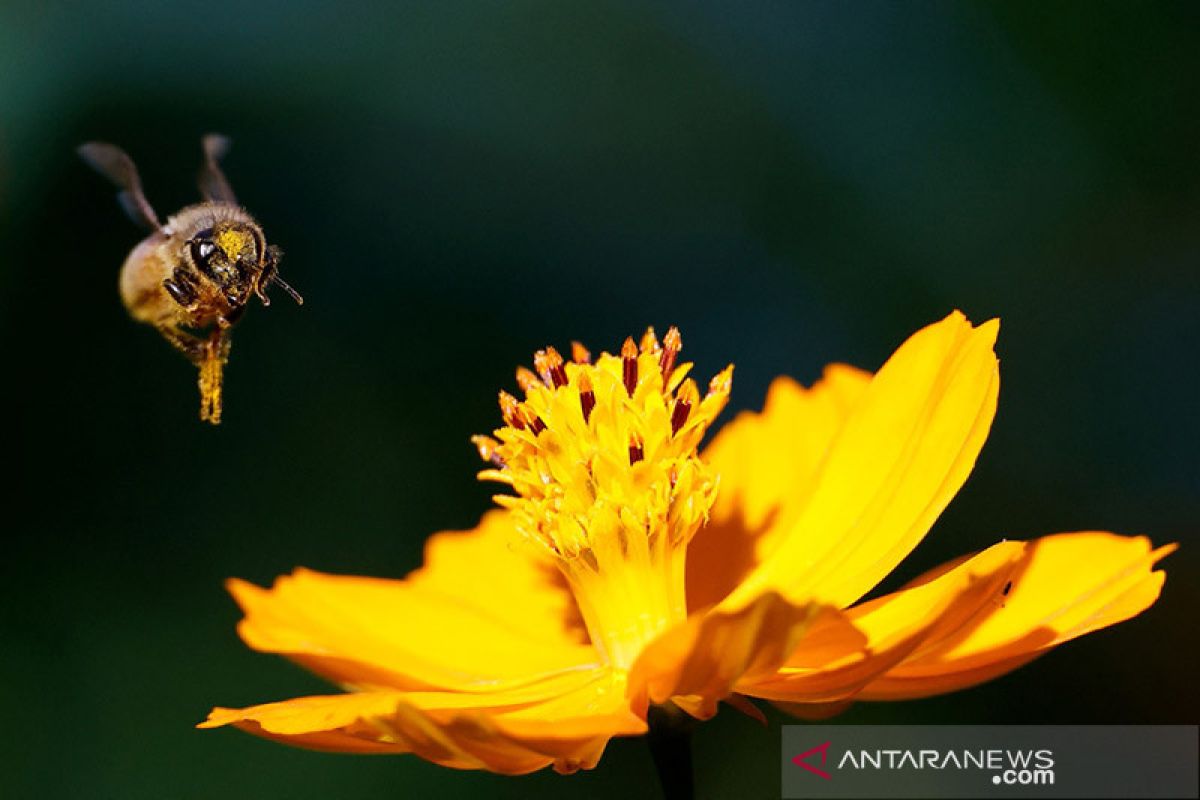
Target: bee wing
[113,163]
[213,185]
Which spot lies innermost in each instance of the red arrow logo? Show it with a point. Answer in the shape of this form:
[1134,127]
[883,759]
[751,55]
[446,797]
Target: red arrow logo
[823,749]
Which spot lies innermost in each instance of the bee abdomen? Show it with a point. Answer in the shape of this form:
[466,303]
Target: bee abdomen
[142,279]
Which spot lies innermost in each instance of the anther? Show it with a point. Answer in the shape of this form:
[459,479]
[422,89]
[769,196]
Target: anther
[587,397]
[510,409]
[721,382]
[680,414]
[534,422]
[687,398]
[527,380]
[488,450]
[649,343]
[549,365]
[672,344]
[629,354]
[580,354]
[636,453]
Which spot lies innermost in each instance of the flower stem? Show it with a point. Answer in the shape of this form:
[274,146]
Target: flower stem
[670,740]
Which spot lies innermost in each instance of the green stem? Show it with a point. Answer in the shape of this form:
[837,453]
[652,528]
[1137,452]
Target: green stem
[670,740]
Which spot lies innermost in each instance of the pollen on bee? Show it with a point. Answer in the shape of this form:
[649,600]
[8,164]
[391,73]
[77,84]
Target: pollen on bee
[211,379]
[233,241]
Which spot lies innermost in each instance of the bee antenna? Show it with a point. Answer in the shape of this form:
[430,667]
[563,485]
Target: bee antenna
[291,292]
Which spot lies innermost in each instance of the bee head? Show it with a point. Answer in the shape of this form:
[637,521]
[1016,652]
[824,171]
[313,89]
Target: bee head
[231,254]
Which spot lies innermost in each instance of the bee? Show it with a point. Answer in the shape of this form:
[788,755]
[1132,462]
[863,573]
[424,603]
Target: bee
[193,277]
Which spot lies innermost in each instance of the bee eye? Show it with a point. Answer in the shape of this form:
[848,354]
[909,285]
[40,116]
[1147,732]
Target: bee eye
[201,250]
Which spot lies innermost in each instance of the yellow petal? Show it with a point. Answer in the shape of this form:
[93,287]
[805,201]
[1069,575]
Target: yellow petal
[766,462]
[565,720]
[332,723]
[479,615]
[905,449]
[698,662]
[845,651]
[1063,586]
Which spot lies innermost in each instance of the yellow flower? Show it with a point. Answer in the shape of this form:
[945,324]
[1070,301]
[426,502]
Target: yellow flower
[627,569]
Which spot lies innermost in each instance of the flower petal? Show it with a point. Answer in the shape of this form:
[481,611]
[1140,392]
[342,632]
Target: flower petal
[845,651]
[480,615]
[905,449]
[699,661]
[566,721]
[331,723]
[1063,586]
[766,462]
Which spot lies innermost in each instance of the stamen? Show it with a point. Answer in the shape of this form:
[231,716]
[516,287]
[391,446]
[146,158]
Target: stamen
[649,343]
[549,365]
[587,397]
[688,396]
[510,409]
[672,344]
[488,450]
[721,383]
[680,414]
[527,380]
[611,489]
[534,422]
[629,356]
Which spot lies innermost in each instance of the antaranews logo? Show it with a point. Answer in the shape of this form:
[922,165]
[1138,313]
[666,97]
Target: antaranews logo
[989,761]
[1009,767]
[800,761]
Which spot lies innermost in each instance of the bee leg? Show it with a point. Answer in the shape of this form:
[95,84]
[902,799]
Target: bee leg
[191,345]
[182,289]
[209,354]
[211,374]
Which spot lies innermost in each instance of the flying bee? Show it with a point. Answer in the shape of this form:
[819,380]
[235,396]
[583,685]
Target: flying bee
[193,277]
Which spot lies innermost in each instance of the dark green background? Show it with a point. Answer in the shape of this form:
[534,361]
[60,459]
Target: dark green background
[457,184]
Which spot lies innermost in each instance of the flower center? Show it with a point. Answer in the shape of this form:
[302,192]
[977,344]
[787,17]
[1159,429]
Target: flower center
[603,459]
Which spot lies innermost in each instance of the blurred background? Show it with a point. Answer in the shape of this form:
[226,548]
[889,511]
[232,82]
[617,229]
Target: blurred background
[457,184]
